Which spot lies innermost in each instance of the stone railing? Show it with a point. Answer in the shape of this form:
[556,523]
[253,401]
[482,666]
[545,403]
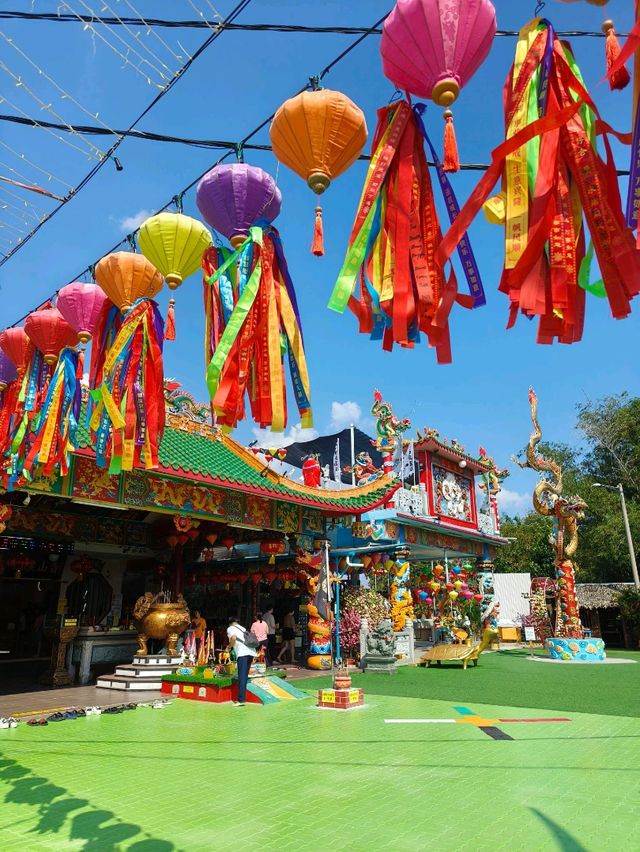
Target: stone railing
[411,502]
[486,524]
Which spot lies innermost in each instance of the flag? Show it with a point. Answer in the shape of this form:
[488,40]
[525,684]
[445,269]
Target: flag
[337,470]
[323,591]
[398,460]
[409,462]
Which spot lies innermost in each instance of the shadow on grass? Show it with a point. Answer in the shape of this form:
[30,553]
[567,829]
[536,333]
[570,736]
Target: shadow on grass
[101,829]
[566,842]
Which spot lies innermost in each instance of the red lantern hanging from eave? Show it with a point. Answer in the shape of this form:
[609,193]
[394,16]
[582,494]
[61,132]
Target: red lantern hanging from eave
[272,547]
[228,541]
[50,333]
[82,566]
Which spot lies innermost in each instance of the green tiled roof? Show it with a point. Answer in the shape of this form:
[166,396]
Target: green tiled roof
[221,460]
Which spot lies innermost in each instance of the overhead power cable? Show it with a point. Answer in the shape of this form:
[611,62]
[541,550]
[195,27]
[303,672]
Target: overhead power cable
[114,147]
[238,147]
[214,144]
[204,24]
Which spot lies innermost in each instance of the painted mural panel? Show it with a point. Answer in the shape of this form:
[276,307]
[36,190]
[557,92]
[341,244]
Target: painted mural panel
[312,521]
[94,483]
[151,492]
[257,511]
[287,517]
[452,494]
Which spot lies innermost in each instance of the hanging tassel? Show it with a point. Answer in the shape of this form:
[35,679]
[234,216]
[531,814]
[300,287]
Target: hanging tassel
[620,78]
[317,247]
[451,161]
[170,327]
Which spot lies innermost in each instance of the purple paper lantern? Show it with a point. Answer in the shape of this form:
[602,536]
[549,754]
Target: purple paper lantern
[8,372]
[233,198]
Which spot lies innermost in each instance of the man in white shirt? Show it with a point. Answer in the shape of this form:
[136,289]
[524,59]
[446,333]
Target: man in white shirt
[244,657]
[271,635]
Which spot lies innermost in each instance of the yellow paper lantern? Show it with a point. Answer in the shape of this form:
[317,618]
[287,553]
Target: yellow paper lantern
[127,277]
[458,584]
[174,243]
[453,595]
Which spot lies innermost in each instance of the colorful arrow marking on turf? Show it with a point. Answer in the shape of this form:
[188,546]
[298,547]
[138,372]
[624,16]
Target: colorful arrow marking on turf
[468,717]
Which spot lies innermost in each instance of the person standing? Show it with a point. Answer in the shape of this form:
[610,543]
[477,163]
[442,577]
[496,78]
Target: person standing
[237,636]
[260,630]
[271,635]
[199,627]
[288,637]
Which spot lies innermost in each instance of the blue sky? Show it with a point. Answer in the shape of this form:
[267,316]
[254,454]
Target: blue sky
[243,77]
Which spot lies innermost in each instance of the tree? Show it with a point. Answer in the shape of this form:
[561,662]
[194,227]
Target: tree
[611,428]
[530,550]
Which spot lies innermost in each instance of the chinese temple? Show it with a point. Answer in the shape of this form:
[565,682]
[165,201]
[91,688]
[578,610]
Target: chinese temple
[437,512]
[214,521]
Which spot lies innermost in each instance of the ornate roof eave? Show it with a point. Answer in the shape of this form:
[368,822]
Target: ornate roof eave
[329,502]
[433,445]
[449,529]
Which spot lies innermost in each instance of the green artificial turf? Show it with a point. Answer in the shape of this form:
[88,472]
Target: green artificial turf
[285,777]
[509,678]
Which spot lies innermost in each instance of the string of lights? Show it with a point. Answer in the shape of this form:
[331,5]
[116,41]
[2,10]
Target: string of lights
[176,199]
[110,154]
[215,144]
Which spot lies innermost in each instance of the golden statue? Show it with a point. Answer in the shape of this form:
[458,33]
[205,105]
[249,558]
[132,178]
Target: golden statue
[549,501]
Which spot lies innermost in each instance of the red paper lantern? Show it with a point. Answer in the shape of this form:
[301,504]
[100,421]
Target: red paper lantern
[183,538]
[15,345]
[228,541]
[172,540]
[50,333]
[212,538]
[272,547]
[81,566]
[193,534]
[449,587]
[477,597]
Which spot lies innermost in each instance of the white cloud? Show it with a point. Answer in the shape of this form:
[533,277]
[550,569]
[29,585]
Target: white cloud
[344,414]
[513,502]
[130,223]
[266,438]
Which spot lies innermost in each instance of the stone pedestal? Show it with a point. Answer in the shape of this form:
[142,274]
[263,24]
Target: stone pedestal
[58,674]
[340,699]
[576,650]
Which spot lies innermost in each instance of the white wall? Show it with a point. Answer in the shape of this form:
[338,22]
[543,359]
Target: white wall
[509,590]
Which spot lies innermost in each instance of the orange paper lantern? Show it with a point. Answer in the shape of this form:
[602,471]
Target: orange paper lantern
[318,135]
[127,277]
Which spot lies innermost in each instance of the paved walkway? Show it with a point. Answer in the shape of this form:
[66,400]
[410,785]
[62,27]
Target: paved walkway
[26,704]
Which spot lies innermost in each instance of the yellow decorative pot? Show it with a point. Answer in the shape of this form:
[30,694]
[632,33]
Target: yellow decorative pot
[156,620]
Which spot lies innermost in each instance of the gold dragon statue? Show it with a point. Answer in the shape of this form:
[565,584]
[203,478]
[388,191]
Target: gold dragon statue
[549,501]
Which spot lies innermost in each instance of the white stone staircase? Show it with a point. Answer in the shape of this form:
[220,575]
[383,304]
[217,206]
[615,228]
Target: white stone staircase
[143,674]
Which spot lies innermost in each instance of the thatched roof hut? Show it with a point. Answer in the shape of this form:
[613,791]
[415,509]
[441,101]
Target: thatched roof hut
[599,595]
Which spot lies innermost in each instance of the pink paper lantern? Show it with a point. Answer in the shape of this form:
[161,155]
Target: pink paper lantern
[432,48]
[80,304]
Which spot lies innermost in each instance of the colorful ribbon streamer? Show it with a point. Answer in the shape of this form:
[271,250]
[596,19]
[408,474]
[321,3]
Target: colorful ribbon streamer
[252,323]
[389,278]
[56,423]
[129,416]
[554,186]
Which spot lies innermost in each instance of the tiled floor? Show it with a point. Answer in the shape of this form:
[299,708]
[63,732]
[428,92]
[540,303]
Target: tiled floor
[288,776]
